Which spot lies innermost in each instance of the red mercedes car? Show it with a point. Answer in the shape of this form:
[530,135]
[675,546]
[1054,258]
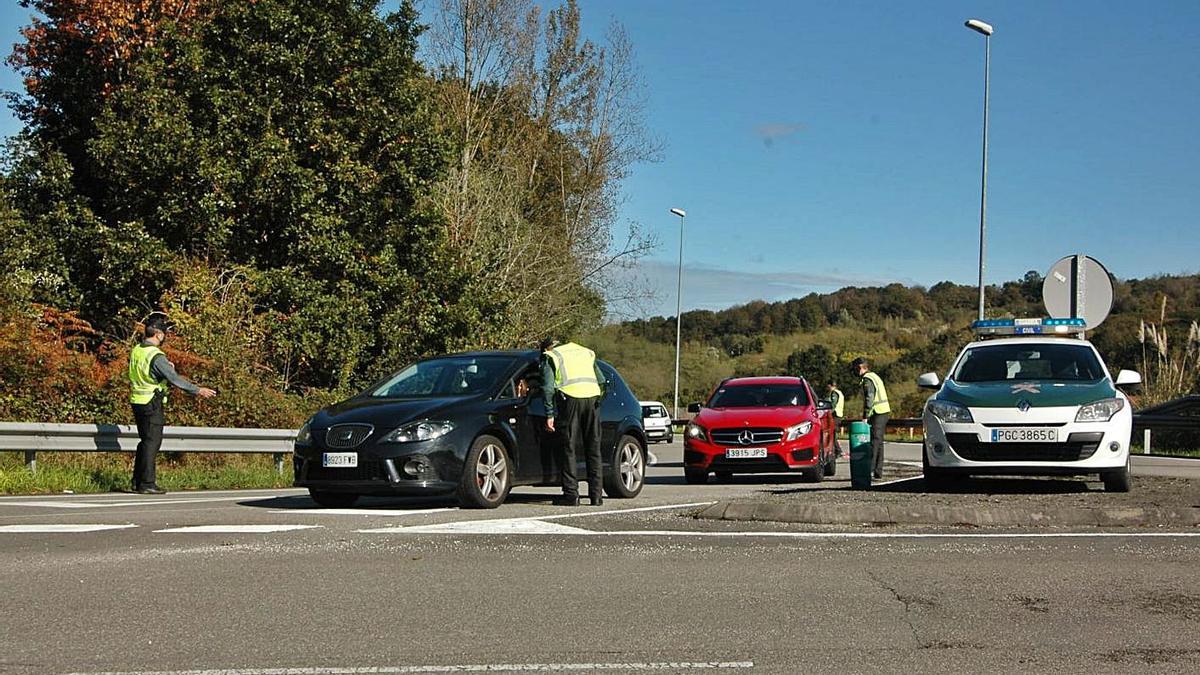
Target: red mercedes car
[760,425]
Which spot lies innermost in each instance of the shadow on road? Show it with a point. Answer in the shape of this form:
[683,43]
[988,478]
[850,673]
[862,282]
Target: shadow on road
[997,486]
[968,486]
[366,503]
[305,503]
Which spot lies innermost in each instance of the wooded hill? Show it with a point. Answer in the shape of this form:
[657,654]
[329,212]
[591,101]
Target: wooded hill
[904,330]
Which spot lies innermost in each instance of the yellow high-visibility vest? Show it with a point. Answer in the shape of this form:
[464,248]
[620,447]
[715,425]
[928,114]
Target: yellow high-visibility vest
[880,405]
[839,402]
[575,370]
[142,384]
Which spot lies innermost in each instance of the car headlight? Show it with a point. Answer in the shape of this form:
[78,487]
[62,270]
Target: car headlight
[304,436]
[696,431]
[797,431]
[425,430]
[952,413]
[1100,411]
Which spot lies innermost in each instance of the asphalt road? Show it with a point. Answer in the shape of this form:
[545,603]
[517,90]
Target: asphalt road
[262,582]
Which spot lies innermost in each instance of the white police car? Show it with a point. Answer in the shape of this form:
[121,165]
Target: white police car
[1036,400]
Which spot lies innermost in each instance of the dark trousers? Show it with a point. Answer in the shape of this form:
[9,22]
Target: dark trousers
[837,444]
[580,421]
[878,428]
[149,418]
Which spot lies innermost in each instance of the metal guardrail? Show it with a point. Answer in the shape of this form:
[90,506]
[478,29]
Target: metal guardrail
[32,438]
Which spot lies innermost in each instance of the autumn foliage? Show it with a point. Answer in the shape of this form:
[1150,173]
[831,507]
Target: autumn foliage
[108,31]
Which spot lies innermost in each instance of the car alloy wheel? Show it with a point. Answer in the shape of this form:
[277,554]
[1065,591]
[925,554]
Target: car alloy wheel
[486,478]
[627,473]
[491,472]
[633,467]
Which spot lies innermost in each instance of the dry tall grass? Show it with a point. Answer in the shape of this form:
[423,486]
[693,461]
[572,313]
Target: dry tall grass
[1167,372]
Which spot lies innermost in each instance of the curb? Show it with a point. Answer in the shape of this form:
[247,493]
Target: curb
[879,514]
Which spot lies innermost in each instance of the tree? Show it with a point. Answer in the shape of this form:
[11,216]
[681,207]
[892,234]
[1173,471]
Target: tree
[545,125]
[293,139]
[818,365]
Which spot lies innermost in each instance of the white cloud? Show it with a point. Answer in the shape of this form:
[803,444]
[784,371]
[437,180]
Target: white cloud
[712,287]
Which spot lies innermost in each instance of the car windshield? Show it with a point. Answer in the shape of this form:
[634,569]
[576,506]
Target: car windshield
[653,411]
[448,376]
[1000,363]
[760,396]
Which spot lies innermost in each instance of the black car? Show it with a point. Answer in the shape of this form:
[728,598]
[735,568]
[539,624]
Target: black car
[472,424]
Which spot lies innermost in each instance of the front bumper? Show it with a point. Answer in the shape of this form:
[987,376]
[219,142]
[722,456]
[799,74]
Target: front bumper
[382,470]
[655,433]
[1083,447]
[802,453]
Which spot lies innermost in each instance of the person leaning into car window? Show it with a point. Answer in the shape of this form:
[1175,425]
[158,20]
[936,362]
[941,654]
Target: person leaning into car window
[838,404]
[572,386]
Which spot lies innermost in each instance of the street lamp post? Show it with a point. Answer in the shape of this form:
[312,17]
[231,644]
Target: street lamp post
[678,303]
[984,29]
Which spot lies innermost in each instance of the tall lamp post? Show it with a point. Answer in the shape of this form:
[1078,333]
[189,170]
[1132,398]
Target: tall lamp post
[678,303]
[984,29]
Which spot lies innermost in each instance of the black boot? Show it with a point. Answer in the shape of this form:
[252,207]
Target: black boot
[597,500]
[566,500]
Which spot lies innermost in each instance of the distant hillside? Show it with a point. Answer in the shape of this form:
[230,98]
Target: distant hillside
[904,330]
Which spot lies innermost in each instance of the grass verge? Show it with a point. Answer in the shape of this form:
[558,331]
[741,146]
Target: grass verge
[79,473]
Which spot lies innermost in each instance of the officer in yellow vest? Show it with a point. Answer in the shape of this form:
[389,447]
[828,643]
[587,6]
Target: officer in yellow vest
[876,410]
[572,387]
[149,375]
[838,401]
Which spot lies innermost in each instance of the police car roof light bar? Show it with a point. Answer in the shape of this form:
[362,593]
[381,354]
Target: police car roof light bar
[1048,326]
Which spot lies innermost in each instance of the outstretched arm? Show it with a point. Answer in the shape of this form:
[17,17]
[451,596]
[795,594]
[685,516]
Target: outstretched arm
[162,369]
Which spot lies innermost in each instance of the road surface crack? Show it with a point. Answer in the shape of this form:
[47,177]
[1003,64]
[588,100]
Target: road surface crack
[907,602]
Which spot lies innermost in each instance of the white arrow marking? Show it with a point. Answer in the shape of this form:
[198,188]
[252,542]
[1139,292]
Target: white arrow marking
[582,513]
[496,527]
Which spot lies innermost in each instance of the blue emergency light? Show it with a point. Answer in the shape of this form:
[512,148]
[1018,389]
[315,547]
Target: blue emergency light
[1029,326]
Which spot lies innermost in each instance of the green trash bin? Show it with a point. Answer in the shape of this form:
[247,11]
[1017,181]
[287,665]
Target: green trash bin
[860,454]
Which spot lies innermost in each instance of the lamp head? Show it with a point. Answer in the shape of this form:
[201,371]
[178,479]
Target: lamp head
[679,212]
[979,26]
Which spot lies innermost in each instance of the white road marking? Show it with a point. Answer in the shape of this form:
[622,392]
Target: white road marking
[497,527]
[234,529]
[898,480]
[470,668]
[360,512]
[61,528]
[582,513]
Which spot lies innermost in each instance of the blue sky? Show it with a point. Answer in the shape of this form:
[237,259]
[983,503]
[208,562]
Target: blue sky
[822,144]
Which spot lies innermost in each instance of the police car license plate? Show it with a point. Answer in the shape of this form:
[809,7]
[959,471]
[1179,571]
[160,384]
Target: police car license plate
[348,460]
[745,453]
[1025,435]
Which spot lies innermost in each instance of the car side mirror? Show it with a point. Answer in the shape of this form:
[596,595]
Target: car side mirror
[693,407]
[1129,378]
[929,381]
[824,404]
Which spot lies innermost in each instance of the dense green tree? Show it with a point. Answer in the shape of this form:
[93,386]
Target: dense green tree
[294,138]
